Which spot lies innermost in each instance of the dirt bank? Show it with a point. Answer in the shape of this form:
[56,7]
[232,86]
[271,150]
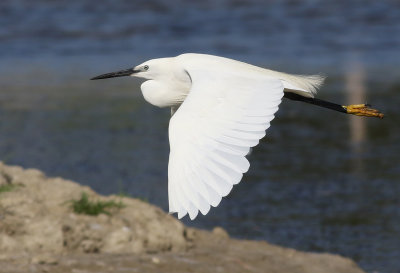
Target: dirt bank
[39,232]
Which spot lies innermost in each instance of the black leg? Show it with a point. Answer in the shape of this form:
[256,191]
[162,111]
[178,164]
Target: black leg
[357,109]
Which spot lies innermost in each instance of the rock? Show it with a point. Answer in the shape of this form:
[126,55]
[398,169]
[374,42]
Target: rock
[44,259]
[220,232]
[118,240]
[190,234]
[37,217]
[90,246]
[38,229]
[4,179]
[155,260]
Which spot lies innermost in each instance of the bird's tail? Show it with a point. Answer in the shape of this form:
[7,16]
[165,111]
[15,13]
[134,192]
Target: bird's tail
[311,82]
[305,85]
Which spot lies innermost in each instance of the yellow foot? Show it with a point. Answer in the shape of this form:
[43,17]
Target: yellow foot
[363,110]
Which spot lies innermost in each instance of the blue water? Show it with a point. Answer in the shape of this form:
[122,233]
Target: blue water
[314,184]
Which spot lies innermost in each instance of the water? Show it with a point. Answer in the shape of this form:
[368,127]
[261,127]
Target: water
[315,183]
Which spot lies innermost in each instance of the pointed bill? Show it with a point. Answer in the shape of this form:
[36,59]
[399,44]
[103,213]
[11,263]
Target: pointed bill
[121,73]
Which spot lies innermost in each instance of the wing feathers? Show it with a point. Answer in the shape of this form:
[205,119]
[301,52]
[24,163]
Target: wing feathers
[212,132]
[235,162]
[215,180]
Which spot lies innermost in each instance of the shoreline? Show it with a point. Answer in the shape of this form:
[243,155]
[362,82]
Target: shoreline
[40,232]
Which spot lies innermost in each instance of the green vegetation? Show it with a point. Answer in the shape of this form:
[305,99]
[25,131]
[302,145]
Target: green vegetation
[7,187]
[89,207]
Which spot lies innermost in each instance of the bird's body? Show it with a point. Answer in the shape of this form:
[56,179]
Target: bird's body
[221,108]
[169,85]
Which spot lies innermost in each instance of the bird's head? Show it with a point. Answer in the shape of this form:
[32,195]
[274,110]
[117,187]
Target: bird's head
[149,70]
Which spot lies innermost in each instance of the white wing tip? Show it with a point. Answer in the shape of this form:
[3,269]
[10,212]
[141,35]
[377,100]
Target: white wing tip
[181,214]
[192,214]
[204,212]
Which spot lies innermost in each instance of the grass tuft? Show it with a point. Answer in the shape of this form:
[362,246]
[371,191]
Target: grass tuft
[7,187]
[89,207]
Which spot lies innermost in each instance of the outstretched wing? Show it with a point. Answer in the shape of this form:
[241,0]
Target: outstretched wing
[210,135]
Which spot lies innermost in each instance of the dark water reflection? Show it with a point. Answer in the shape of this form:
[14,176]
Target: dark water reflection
[316,183]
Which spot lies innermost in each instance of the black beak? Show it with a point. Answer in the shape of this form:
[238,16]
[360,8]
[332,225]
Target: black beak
[122,73]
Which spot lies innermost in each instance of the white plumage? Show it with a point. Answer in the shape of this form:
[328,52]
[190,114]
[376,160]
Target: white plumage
[221,108]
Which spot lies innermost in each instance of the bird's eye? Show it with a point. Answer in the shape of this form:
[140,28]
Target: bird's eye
[146,67]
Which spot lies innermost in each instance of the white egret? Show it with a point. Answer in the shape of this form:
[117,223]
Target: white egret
[220,109]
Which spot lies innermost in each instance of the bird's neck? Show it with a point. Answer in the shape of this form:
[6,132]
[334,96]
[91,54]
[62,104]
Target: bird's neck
[165,93]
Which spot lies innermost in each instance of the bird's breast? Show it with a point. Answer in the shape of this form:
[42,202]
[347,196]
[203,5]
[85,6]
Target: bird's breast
[164,94]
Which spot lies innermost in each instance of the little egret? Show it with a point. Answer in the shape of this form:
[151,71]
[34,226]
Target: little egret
[220,109]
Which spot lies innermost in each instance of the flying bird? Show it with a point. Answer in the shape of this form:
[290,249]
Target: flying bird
[220,108]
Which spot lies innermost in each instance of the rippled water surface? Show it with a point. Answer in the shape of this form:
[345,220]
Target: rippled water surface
[320,181]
